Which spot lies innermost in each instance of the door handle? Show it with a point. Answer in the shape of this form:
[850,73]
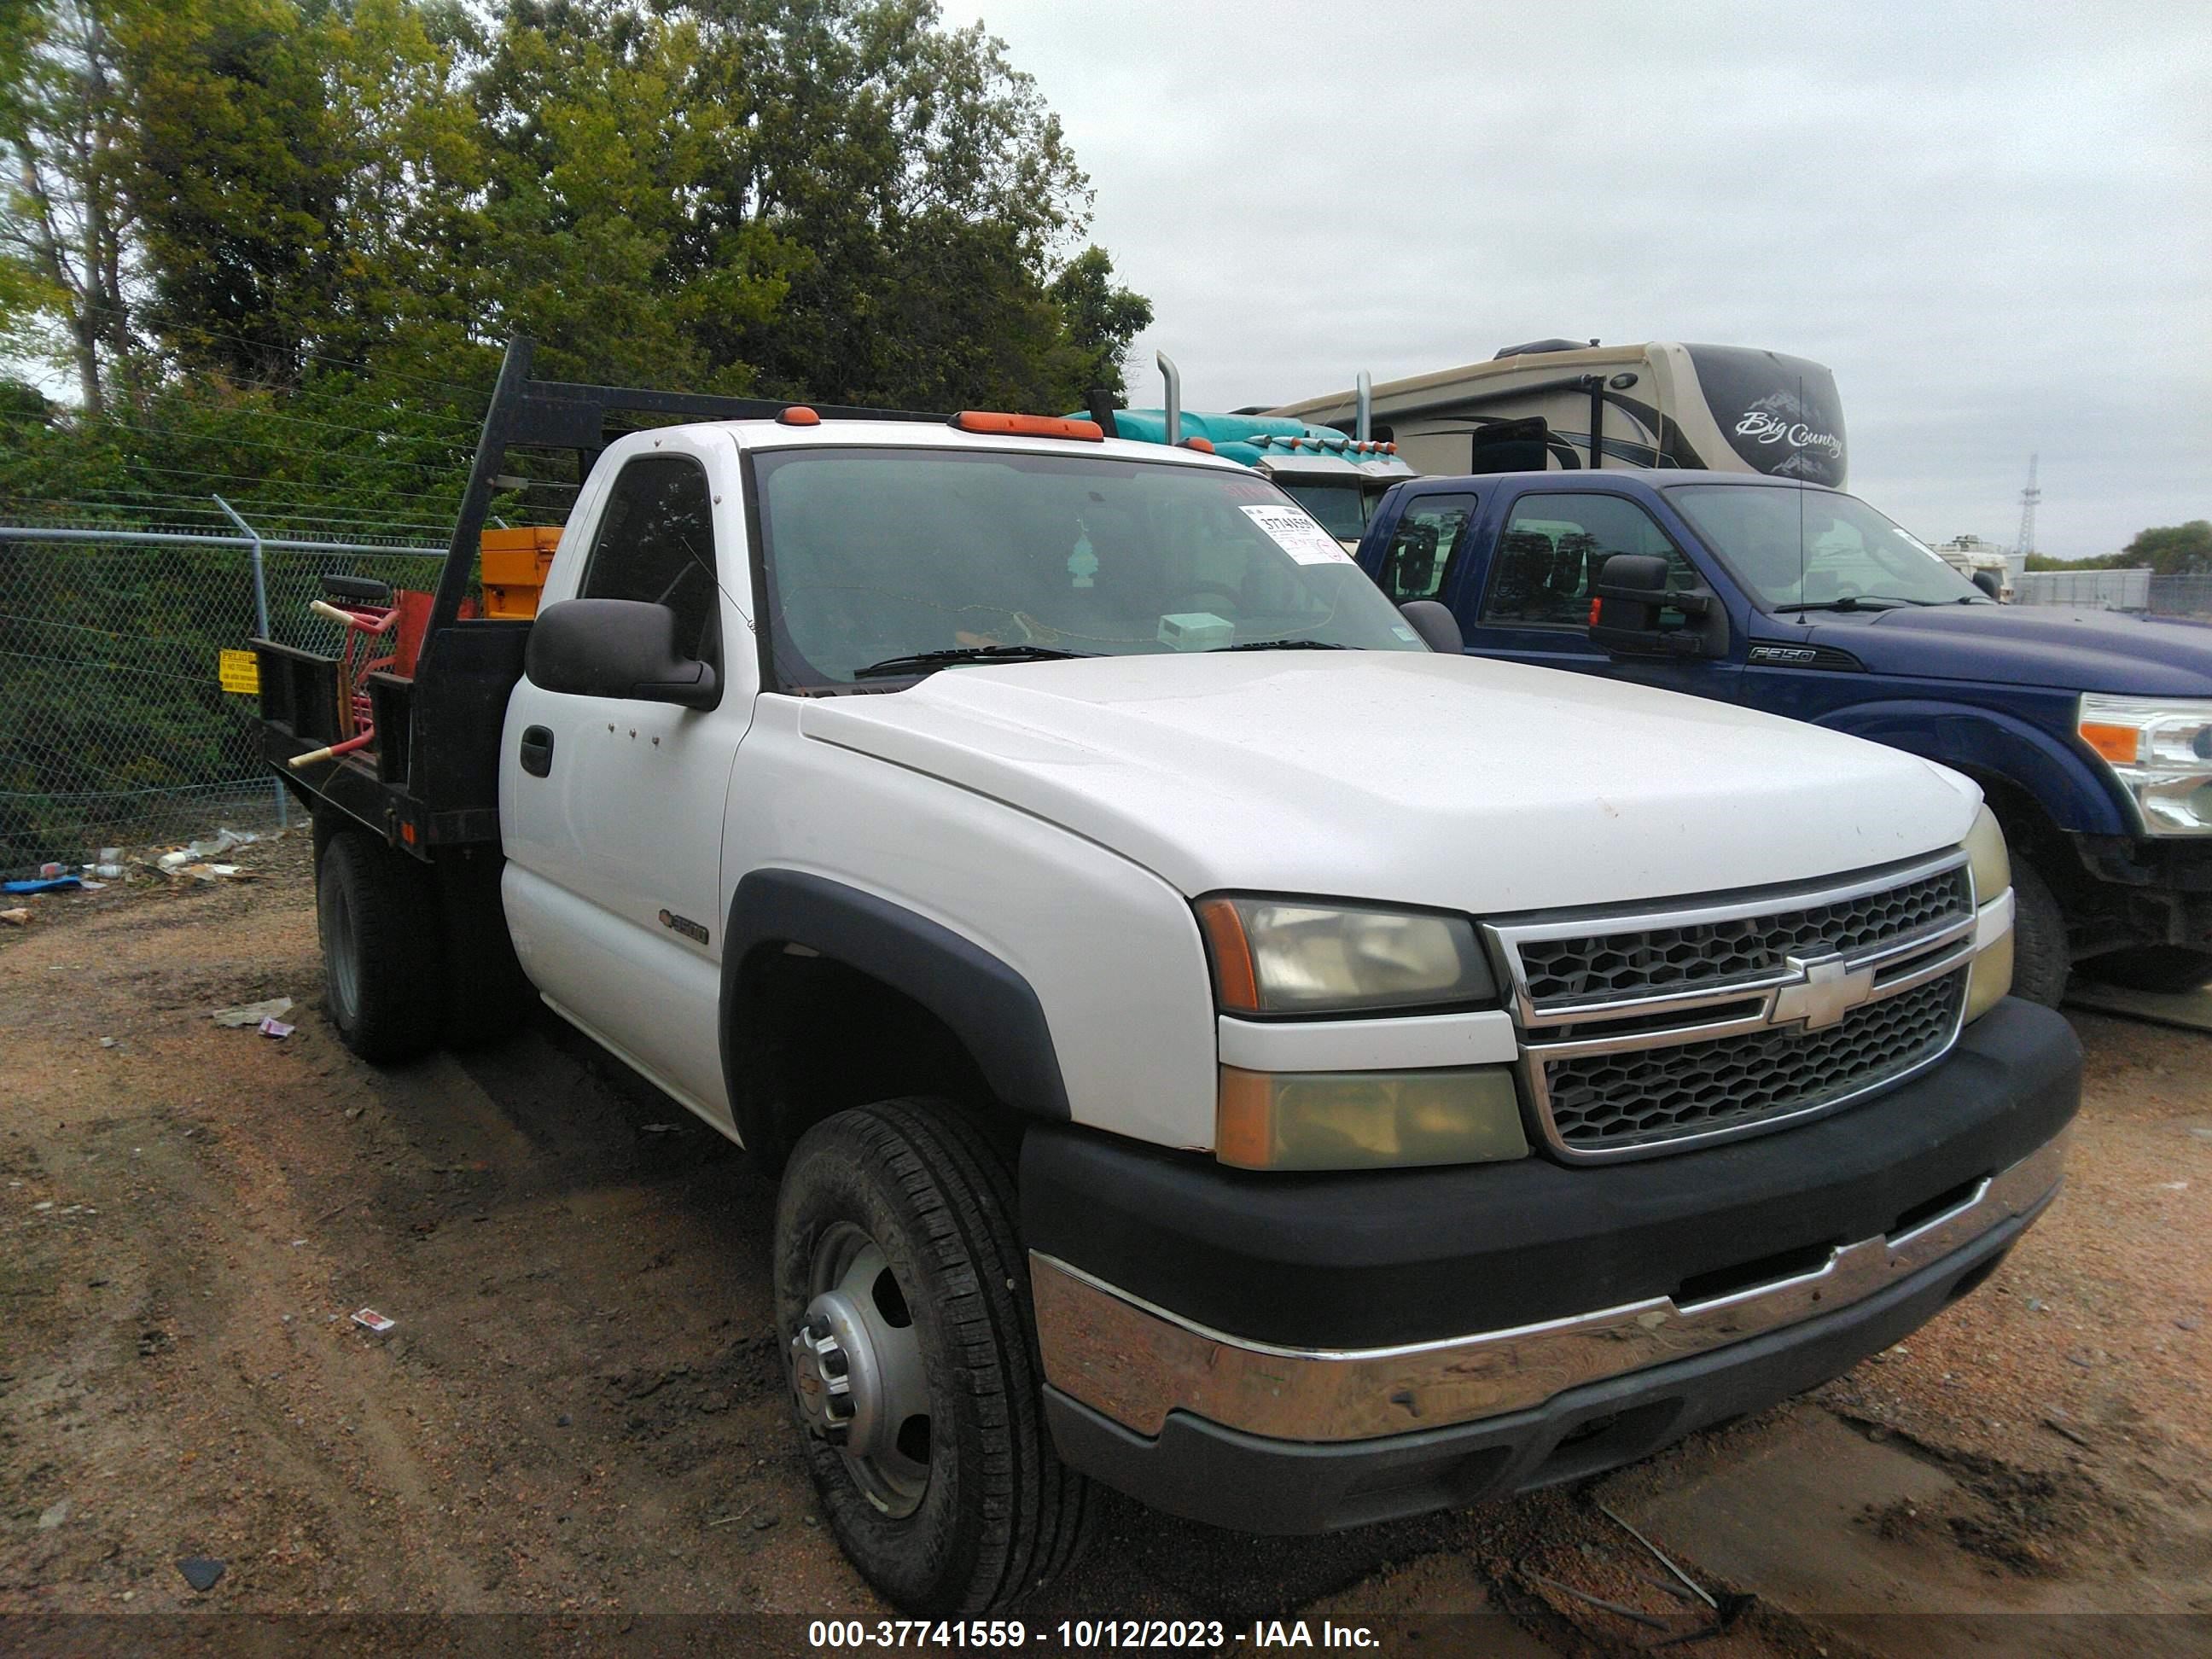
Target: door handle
[536,751]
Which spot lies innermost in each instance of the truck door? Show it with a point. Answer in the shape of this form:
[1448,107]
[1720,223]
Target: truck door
[1533,603]
[1419,561]
[612,808]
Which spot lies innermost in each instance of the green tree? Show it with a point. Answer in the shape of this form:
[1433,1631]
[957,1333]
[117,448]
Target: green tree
[1102,319]
[416,267]
[2180,549]
[66,217]
[237,179]
[600,248]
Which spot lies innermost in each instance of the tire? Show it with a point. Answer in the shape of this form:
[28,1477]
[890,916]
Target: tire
[975,1509]
[2174,970]
[383,960]
[2041,964]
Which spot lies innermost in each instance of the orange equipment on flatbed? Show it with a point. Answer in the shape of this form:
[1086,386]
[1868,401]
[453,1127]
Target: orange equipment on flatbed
[384,628]
[514,564]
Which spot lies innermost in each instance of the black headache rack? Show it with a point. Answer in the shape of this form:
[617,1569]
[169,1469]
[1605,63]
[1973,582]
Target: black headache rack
[431,781]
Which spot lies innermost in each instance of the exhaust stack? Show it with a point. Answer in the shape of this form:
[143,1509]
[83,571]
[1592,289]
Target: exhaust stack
[1363,397]
[1174,377]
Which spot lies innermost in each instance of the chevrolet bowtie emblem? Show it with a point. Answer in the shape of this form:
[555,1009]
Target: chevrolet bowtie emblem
[1828,992]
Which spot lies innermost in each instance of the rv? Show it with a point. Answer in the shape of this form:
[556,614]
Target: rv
[1566,405]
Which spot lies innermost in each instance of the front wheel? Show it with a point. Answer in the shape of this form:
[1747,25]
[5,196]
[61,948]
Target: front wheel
[2041,960]
[902,1305]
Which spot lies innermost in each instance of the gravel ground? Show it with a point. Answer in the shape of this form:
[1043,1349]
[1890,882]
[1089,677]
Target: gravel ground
[579,1409]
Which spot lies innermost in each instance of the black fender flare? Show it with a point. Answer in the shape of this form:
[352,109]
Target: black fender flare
[990,1007]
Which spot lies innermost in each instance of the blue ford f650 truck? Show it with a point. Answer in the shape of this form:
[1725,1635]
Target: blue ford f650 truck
[2090,733]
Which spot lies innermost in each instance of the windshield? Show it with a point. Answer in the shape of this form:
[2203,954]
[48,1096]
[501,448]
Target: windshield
[873,554]
[1814,547]
[1337,503]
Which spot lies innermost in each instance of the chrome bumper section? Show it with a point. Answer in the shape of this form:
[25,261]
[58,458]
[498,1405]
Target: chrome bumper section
[1136,1363]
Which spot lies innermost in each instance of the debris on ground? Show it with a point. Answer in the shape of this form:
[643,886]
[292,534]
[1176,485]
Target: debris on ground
[200,852]
[252,1013]
[196,859]
[209,872]
[1660,1556]
[272,1027]
[200,1571]
[369,1320]
[44,884]
[18,917]
[54,1516]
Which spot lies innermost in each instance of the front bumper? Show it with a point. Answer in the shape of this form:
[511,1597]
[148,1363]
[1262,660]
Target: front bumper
[1613,1309]
[1253,1483]
[2146,891]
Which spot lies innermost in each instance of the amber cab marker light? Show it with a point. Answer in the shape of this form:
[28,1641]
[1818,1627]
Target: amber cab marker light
[798,415]
[1235,985]
[2114,743]
[1203,446]
[1028,426]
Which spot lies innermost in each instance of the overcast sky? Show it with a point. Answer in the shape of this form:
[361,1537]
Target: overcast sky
[1994,223]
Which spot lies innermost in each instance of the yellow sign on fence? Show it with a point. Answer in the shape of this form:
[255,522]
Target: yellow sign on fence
[240,670]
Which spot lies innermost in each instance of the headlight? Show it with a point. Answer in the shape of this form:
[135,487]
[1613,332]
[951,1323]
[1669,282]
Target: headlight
[1987,858]
[1287,956]
[2160,750]
[1990,977]
[1367,1120]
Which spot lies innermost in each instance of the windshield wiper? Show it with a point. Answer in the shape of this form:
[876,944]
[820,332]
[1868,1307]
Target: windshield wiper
[1848,602]
[1282,645]
[922,661]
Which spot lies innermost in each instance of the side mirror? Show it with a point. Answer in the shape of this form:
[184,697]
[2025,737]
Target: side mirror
[616,648]
[1436,625]
[1632,592]
[1989,582]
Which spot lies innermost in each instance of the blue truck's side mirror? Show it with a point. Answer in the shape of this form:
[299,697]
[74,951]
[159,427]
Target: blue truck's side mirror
[1633,595]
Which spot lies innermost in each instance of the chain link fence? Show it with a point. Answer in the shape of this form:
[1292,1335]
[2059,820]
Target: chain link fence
[2181,596]
[2139,590]
[115,730]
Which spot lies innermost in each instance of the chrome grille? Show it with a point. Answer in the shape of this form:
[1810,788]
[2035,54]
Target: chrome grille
[1619,1102]
[1599,967]
[1651,1031]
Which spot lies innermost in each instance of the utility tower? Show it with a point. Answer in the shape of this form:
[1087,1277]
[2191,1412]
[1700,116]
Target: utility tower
[2028,498]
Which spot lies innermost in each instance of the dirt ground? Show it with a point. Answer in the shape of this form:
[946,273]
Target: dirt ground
[579,1409]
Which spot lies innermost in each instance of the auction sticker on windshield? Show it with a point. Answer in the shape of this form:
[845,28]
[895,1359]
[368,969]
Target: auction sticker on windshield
[1298,535]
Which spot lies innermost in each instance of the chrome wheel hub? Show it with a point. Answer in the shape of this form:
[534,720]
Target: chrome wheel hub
[856,1370]
[341,952]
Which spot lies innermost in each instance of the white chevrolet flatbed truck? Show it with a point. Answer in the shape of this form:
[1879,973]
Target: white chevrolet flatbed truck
[1184,1070]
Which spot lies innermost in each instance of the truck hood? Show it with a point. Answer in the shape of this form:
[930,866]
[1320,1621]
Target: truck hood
[1409,778]
[2025,645]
